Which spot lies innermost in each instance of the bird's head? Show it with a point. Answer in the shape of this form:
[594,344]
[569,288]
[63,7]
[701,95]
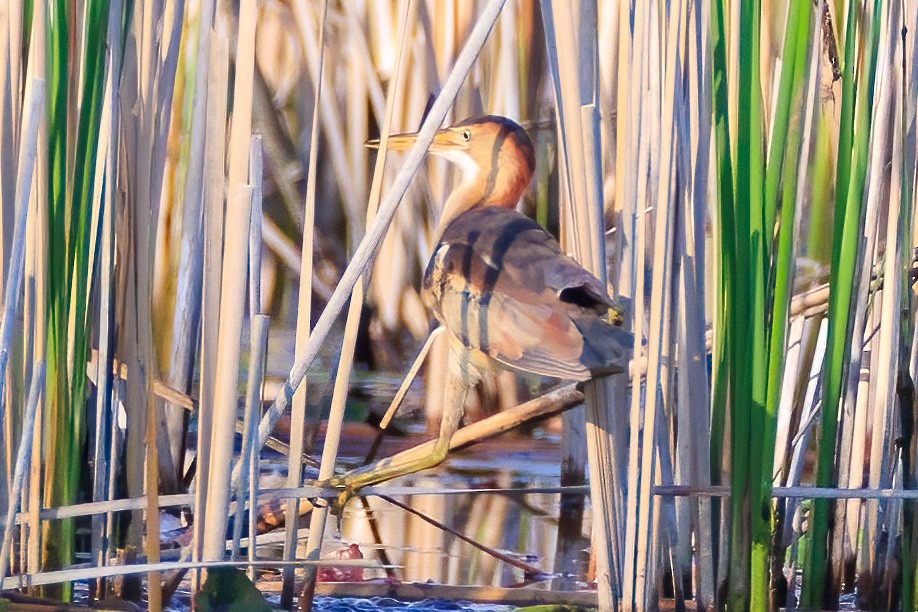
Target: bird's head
[494,153]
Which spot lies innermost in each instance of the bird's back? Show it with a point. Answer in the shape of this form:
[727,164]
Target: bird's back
[501,285]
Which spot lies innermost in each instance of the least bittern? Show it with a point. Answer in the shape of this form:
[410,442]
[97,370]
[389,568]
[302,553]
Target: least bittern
[500,284]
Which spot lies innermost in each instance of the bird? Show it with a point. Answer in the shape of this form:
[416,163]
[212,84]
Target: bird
[501,285]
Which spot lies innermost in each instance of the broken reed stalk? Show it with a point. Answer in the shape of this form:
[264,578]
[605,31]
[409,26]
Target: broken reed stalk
[119,370]
[256,179]
[304,304]
[253,412]
[232,294]
[528,413]
[538,412]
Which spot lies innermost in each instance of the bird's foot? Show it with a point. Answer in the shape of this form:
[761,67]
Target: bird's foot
[348,490]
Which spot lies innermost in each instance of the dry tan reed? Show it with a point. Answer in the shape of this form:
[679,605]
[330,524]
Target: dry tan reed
[657,160]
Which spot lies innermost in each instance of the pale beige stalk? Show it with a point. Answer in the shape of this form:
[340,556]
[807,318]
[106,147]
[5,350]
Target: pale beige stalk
[345,361]
[232,295]
[575,91]
[304,305]
[214,194]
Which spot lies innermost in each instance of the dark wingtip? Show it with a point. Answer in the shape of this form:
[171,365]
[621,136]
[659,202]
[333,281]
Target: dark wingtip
[584,297]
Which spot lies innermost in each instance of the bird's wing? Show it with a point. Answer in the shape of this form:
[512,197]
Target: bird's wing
[501,285]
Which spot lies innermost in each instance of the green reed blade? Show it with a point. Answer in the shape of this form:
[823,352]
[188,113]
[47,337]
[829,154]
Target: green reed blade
[781,170]
[723,370]
[790,79]
[726,228]
[747,586]
[82,207]
[851,177]
[58,537]
[71,201]
[909,591]
[819,241]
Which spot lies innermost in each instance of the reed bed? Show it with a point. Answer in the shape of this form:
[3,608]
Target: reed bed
[741,174]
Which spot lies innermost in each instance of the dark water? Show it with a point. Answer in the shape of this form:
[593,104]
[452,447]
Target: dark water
[334,604]
[373,604]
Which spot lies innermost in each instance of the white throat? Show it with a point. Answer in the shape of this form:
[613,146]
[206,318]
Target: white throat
[462,159]
[458,200]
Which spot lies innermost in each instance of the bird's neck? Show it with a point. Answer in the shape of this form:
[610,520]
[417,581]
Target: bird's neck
[479,188]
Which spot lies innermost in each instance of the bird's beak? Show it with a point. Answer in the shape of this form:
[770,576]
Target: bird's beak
[397,142]
[402,142]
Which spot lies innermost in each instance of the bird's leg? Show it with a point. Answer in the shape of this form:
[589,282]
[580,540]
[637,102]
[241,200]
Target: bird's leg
[458,384]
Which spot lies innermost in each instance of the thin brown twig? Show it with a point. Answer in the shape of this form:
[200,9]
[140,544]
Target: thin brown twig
[377,538]
[529,569]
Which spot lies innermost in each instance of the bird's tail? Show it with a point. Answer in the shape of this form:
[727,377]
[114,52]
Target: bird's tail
[607,348]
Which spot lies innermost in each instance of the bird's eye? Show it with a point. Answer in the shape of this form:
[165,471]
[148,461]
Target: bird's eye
[467,135]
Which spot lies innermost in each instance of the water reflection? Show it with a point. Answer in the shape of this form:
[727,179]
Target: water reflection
[522,526]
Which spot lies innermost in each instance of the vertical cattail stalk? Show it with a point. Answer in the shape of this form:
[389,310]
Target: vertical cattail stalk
[232,295]
[258,344]
[186,322]
[576,92]
[214,194]
[105,454]
[304,314]
[780,218]
[849,218]
[345,362]
[223,428]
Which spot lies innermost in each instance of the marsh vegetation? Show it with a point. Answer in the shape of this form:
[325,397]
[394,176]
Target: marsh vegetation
[212,290]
